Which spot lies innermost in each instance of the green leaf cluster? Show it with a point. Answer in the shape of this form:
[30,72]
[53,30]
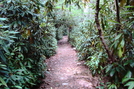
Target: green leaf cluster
[85,38]
[26,39]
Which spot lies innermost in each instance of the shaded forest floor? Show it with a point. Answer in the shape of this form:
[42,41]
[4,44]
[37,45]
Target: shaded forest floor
[66,72]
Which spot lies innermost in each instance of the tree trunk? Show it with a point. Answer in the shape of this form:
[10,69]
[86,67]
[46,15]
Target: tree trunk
[109,53]
[117,15]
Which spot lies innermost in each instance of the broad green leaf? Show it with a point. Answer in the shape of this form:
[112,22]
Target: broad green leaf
[9,1]
[130,85]
[126,79]
[115,22]
[112,86]
[18,87]
[3,19]
[129,74]
[15,25]
[4,26]
[132,64]
[122,43]
[118,36]
[6,49]
[112,72]
[120,52]
[13,37]
[13,32]
[109,67]
[3,82]
[2,57]
[129,6]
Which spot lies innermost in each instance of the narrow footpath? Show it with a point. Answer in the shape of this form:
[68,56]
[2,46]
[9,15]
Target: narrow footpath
[66,72]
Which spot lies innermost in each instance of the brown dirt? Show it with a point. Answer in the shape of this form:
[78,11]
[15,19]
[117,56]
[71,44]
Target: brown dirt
[66,72]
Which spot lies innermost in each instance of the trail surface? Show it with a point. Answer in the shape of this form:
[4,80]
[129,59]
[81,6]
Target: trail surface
[66,72]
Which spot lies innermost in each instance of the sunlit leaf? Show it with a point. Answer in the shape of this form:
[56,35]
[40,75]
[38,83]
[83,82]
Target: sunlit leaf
[132,64]
[4,26]
[129,74]
[18,87]
[112,21]
[130,84]
[129,6]
[122,43]
[120,52]
[12,37]
[3,19]
[13,32]
[126,79]
[118,36]
[3,82]
[112,86]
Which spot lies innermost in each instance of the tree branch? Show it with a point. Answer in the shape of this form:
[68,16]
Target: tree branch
[110,56]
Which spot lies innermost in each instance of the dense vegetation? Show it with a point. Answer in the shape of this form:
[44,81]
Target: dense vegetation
[27,37]
[106,43]
[103,36]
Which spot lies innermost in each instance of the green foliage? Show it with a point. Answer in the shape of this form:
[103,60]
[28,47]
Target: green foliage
[63,22]
[85,38]
[24,43]
[29,31]
[49,40]
[59,32]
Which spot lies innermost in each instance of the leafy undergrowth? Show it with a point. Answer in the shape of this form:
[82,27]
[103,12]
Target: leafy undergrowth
[86,39]
[26,39]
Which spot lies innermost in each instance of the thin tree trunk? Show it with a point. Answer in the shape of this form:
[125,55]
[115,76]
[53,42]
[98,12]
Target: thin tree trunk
[109,53]
[127,3]
[117,15]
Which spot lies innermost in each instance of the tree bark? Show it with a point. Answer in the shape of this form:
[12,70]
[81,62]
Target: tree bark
[117,15]
[109,53]
[127,2]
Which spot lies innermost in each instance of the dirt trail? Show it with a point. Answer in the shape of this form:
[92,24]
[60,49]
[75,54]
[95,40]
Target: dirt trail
[66,72]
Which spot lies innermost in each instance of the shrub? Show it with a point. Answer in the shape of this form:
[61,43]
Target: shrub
[24,44]
[120,42]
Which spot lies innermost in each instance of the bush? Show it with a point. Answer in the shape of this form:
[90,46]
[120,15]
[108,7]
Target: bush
[63,22]
[85,38]
[24,44]
[59,32]
[49,40]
